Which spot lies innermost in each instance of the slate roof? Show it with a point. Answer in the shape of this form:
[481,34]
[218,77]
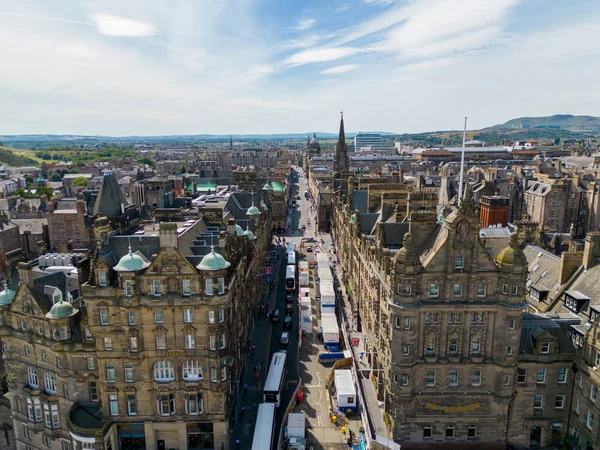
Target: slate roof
[588,284]
[360,201]
[110,197]
[34,226]
[58,280]
[118,246]
[394,234]
[536,324]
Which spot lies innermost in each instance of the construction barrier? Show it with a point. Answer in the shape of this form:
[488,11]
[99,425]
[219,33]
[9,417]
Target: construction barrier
[290,407]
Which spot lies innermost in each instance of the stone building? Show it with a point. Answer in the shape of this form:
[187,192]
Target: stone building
[67,228]
[150,359]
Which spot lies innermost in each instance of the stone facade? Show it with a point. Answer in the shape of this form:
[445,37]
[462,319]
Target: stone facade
[67,228]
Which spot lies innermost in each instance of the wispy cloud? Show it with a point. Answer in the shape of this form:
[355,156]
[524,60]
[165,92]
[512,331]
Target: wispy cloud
[116,26]
[340,69]
[279,105]
[378,2]
[305,24]
[53,19]
[321,55]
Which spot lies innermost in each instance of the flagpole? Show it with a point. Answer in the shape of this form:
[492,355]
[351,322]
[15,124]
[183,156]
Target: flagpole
[462,165]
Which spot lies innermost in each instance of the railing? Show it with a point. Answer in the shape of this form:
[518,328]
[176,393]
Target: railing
[291,405]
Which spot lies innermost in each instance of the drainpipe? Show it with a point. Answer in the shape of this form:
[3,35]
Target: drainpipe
[575,370]
[514,395]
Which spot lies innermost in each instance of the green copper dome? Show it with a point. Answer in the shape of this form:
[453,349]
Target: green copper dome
[353,219]
[61,310]
[267,187]
[249,234]
[264,206]
[131,262]
[238,230]
[7,296]
[253,211]
[213,261]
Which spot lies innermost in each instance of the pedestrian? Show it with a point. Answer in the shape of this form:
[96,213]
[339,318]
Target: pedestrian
[245,388]
[242,411]
[238,443]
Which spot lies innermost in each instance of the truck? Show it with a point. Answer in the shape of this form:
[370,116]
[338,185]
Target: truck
[345,390]
[296,426]
[332,356]
[327,297]
[305,314]
[303,273]
[331,332]
[324,274]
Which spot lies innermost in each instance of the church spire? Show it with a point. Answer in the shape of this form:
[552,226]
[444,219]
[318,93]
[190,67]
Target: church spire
[230,142]
[340,161]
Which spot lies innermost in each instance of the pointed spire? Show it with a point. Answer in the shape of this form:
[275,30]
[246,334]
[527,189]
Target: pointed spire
[340,159]
[342,136]
[230,142]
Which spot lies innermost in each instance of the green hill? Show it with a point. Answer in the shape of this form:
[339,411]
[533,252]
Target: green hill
[558,121]
[8,157]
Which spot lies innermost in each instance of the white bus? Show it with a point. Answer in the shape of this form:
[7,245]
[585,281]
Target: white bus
[291,248]
[291,259]
[273,390]
[290,278]
[264,432]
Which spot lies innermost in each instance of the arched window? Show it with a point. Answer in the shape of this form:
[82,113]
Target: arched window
[32,378]
[49,381]
[163,371]
[192,371]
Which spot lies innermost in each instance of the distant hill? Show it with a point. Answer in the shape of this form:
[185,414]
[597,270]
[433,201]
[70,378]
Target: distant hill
[8,157]
[558,121]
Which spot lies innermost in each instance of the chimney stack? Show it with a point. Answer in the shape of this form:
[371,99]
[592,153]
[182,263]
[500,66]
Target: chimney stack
[168,235]
[591,249]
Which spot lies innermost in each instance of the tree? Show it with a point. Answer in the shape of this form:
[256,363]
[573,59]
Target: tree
[55,177]
[148,161]
[183,169]
[80,181]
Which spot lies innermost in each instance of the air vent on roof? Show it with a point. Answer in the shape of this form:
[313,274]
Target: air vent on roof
[544,274]
[536,267]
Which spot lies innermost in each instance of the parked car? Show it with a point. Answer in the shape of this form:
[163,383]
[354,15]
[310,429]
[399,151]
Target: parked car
[285,337]
[287,323]
[276,316]
[303,226]
[289,308]
[309,249]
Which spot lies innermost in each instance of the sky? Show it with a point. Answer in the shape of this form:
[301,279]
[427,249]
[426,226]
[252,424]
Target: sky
[160,67]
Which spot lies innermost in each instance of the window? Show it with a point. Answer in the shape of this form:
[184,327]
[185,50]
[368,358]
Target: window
[457,290]
[223,371]
[562,375]
[515,289]
[133,344]
[163,371]
[192,371]
[509,350]
[505,288]
[221,285]
[23,325]
[209,287]
[32,378]
[397,321]
[435,317]
[222,341]
[103,316]
[58,362]
[450,317]
[476,378]
[110,373]
[66,445]
[93,391]
[538,401]
[128,368]
[597,362]
[87,333]
[65,391]
[541,376]
[40,328]
[194,404]
[545,347]
[213,342]
[211,317]
[188,315]
[521,375]
[190,341]
[395,378]
[430,347]
[404,380]
[578,406]
[156,288]
[108,344]
[427,318]
[427,432]
[430,378]
[213,372]
[91,363]
[453,378]
[481,316]
[27,350]
[590,420]
[51,416]
[128,288]
[102,278]
[114,405]
[593,392]
[166,404]
[34,410]
[453,346]
[449,432]
[159,316]
[559,401]
[458,317]
[186,288]
[472,432]
[506,380]
[63,332]
[131,318]
[481,290]
[46,440]
[434,290]
[473,317]
[161,341]
[405,350]
[26,432]
[131,405]
[580,380]
[49,382]
[458,262]
[475,346]
[407,321]
[512,324]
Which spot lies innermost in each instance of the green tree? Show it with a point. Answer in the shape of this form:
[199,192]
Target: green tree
[183,170]
[148,161]
[55,177]
[80,181]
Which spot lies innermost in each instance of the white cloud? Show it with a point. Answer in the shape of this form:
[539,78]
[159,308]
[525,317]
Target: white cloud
[379,2]
[116,26]
[305,24]
[321,55]
[279,105]
[339,69]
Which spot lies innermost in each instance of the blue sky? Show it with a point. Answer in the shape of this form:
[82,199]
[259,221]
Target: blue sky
[257,66]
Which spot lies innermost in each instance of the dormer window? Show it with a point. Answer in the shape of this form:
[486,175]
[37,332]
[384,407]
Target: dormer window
[102,278]
[209,287]
[186,288]
[128,288]
[156,291]
[545,347]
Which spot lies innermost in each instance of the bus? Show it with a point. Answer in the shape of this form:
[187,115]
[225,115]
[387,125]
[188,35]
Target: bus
[291,259]
[264,432]
[290,278]
[273,390]
[291,248]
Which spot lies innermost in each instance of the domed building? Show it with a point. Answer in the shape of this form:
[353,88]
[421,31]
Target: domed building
[314,145]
